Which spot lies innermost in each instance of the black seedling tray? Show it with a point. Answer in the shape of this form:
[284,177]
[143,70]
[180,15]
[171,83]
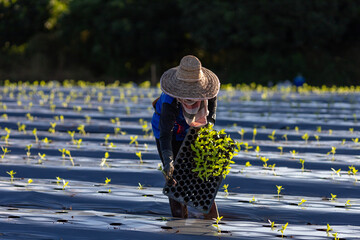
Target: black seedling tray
[190,189]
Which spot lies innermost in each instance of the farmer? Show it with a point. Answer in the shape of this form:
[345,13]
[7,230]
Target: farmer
[188,100]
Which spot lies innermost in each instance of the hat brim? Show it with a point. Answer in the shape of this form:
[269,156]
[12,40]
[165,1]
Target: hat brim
[206,88]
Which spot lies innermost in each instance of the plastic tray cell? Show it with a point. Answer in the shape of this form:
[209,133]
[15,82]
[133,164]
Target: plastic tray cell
[189,188]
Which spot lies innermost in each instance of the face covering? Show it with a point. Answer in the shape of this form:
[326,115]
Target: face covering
[195,112]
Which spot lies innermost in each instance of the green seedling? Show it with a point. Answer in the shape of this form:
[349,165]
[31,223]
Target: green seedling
[213,152]
[282,230]
[139,156]
[248,164]
[81,129]
[333,197]
[88,119]
[318,129]
[28,147]
[112,145]
[29,117]
[272,136]
[253,200]
[46,141]
[279,188]
[353,171]
[52,107]
[293,153]
[301,202]
[107,180]
[281,150]
[64,184]
[335,235]
[112,100]
[117,130]
[317,138]
[254,135]
[78,143]
[218,219]
[42,158]
[273,168]
[272,224]
[302,164]
[264,160]
[355,140]
[247,147]
[78,109]
[351,130]
[61,118]
[35,135]
[296,129]
[70,157]
[7,136]
[285,137]
[330,132]
[257,150]
[21,128]
[52,127]
[242,132]
[100,109]
[337,172]
[333,151]
[5,151]
[104,160]
[127,110]
[11,173]
[5,116]
[134,140]
[58,179]
[328,228]
[63,152]
[72,135]
[305,137]
[347,204]
[115,121]
[225,187]
[29,181]
[107,136]
[140,187]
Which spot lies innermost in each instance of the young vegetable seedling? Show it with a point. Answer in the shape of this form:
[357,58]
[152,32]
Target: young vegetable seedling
[218,219]
[139,156]
[279,188]
[5,151]
[104,159]
[225,187]
[282,230]
[11,173]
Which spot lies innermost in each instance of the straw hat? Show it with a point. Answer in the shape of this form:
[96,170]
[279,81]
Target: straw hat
[190,80]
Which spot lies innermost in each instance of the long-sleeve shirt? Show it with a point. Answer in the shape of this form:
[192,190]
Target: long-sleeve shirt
[168,121]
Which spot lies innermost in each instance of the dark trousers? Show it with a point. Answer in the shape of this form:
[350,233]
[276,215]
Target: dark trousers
[178,209]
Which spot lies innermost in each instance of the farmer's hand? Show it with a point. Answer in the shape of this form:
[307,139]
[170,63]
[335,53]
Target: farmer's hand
[168,167]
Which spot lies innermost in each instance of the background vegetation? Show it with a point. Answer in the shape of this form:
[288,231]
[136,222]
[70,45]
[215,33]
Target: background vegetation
[241,40]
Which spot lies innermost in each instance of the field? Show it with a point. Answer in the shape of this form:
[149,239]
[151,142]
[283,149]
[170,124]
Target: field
[79,161]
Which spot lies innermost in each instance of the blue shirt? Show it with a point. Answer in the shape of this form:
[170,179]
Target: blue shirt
[180,127]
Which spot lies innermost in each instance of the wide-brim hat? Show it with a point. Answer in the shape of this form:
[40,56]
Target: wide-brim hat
[190,80]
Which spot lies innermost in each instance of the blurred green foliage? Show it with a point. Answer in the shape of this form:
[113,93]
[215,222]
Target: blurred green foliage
[240,40]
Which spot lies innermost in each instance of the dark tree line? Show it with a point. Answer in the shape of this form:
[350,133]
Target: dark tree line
[241,40]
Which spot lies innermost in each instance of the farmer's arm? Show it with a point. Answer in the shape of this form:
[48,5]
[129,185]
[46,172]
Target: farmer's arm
[212,103]
[167,120]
